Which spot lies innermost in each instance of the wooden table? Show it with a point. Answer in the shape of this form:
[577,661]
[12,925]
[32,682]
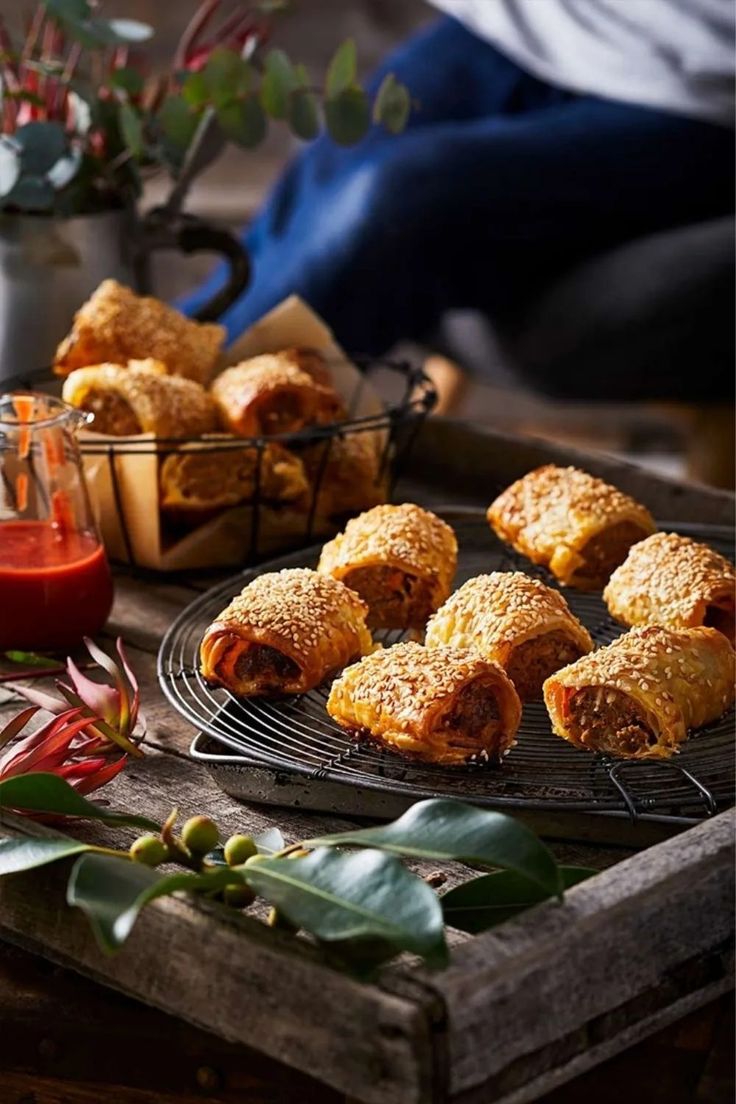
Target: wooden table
[520,1010]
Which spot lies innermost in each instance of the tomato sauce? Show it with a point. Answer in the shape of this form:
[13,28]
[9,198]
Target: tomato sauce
[55,586]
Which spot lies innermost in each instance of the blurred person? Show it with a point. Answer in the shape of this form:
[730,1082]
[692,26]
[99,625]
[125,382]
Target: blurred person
[543,132]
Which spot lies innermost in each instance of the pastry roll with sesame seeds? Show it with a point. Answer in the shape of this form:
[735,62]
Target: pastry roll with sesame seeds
[199,478]
[115,325]
[400,559]
[269,394]
[518,622]
[285,633]
[346,473]
[441,705]
[639,697]
[674,581]
[570,522]
[140,398]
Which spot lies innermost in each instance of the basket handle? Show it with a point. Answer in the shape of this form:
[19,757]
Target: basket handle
[190,234]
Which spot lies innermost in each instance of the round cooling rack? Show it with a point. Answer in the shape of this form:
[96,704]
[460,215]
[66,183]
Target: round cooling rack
[296,738]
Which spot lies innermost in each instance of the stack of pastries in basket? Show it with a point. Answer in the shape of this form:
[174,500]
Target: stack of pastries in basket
[141,367]
[502,639]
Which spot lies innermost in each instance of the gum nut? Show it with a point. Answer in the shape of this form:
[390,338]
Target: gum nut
[149,850]
[200,835]
[277,919]
[238,849]
[239,896]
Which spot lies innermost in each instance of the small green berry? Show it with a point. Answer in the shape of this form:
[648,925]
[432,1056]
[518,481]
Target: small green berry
[257,859]
[200,835]
[149,850]
[239,896]
[238,849]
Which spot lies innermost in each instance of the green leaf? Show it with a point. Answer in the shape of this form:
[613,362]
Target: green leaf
[195,89]
[18,854]
[304,115]
[494,898]
[39,792]
[278,83]
[392,104]
[68,9]
[348,116]
[243,121]
[29,659]
[178,122]
[351,899]
[342,70]
[41,146]
[227,75]
[442,830]
[112,892]
[128,80]
[131,128]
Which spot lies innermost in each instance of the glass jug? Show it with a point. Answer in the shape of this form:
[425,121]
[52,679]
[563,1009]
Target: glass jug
[55,583]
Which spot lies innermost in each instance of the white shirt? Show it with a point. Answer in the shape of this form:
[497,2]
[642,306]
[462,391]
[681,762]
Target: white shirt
[672,54]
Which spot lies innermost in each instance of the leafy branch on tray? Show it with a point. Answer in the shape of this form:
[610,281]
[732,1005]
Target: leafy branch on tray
[351,891]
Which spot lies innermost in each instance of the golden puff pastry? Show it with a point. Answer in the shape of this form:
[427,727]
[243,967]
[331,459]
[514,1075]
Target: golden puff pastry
[638,697]
[115,325]
[674,581]
[200,479]
[400,559]
[140,398]
[518,622]
[269,394]
[285,633]
[346,473]
[570,522]
[441,705]
[310,361]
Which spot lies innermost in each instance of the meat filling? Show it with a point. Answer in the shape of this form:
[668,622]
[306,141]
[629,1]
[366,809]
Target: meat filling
[604,552]
[721,618]
[603,719]
[474,718]
[535,660]
[396,599]
[112,413]
[284,412]
[269,667]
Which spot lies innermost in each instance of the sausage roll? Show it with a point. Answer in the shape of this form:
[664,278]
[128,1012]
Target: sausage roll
[518,622]
[570,522]
[400,559]
[202,479]
[140,398]
[346,473]
[115,325]
[269,394]
[285,633]
[310,361]
[440,705]
[638,697]
[674,581]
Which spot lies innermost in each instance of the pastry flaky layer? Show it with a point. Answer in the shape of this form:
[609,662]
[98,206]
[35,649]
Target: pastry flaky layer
[202,477]
[639,697]
[115,325]
[348,473]
[400,559]
[674,581]
[517,622]
[441,705]
[271,394]
[570,522]
[285,633]
[140,398]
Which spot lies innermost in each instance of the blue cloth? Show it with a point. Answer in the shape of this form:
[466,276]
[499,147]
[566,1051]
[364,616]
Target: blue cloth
[499,183]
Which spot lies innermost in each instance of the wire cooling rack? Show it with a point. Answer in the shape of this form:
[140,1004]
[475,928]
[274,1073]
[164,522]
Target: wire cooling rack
[297,740]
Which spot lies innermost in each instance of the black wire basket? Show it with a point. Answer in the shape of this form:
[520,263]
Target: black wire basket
[388,400]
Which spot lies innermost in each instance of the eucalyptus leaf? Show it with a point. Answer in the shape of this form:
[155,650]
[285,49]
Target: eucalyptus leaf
[243,121]
[195,89]
[18,854]
[346,899]
[392,105]
[128,80]
[494,898]
[348,116]
[228,76]
[342,70]
[131,128]
[443,830]
[112,893]
[278,83]
[68,9]
[304,115]
[41,146]
[39,792]
[178,122]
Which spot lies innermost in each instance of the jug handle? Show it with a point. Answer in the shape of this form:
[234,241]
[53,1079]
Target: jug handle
[190,234]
